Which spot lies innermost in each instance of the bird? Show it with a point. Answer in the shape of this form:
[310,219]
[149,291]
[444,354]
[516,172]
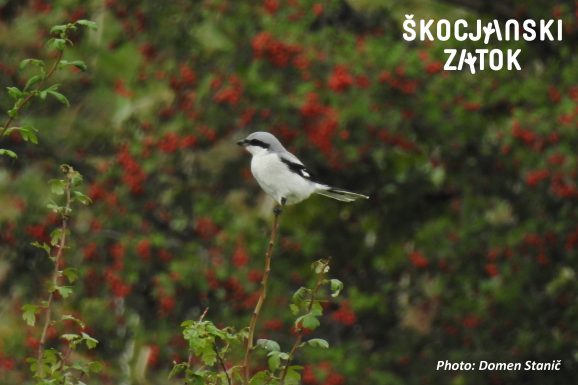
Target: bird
[283,176]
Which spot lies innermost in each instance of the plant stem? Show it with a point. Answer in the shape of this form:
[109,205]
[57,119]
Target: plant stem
[300,331]
[31,94]
[56,273]
[222,363]
[262,295]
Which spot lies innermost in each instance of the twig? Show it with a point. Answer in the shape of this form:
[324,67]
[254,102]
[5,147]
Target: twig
[222,363]
[31,94]
[55,274]
[262,295]
[300,331]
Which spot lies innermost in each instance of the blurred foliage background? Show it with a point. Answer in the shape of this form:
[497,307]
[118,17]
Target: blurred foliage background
[466,251]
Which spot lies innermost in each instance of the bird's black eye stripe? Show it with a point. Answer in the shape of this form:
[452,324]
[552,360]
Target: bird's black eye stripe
[258,143]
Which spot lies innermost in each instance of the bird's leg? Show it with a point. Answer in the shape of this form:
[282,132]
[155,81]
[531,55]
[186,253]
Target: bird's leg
[279,208]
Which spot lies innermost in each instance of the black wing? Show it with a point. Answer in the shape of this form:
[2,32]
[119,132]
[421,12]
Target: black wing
[297,168]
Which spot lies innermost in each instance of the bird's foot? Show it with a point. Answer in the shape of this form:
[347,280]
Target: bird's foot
[279,208]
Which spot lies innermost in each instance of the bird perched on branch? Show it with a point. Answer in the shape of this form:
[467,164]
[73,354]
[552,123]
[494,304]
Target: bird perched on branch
[283,176]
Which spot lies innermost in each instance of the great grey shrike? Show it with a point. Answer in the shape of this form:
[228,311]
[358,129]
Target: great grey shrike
[283,176]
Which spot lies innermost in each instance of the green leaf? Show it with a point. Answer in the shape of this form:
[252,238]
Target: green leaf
[57,186]
[32,81]
[87,23]
[84,199]
[64,291]
[15,93]
[28,133]
[58,43]
[10,130]
[268,345]
[89,341]
[294,309]
[71,274]
[56,236]
[200,377]
[94,367]
[53,87]
[320,267]
[42,246]
[36,62]
[209,356]
[58,29]
[54,207]
[300,295]
[293,376]
[68,317]
[317,309]
[75,176]
[318,343]
[261,378]
[77,63]
[75,339]
[177,369]
[81,367]
[29,313]
[274,360]
[307,321]
[61,98]
[336,287]
[80,65]
[70,337]
[9,153]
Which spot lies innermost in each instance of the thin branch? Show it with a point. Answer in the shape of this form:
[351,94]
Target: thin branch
[31,94]
[262,295]
[222,363]
[300,331]
[56,272]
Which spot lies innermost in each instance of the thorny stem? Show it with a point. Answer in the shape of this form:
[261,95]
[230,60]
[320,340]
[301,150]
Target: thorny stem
[262,295]
[31,95]
[56,273]
[300,331]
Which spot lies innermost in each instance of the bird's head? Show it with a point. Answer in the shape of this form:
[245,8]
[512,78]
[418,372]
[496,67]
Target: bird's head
[260,142]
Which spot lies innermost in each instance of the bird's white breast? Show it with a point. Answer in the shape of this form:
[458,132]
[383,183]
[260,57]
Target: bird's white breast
[277,180]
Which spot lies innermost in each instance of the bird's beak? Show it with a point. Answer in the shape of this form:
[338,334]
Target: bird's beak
[241,142]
